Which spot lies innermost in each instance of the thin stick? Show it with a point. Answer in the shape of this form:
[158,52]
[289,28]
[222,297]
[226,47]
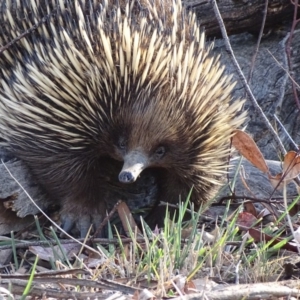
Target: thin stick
[243,78]
[258,41]
[45,215]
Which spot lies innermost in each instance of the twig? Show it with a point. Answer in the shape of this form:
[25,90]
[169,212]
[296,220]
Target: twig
[102,241]
[287,134]
[288,49]
[243,78]
[258,41]
[285,76]
[45,215]
[288,215]
[28,31]
[237,274]
[106,219]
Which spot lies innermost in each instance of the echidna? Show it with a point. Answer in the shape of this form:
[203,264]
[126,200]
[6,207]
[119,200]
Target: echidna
[110,100]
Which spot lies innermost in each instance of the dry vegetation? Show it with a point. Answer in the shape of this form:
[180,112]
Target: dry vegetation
[248,252]
[204,256]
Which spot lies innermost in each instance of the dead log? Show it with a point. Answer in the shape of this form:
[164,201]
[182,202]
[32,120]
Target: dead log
[241,16]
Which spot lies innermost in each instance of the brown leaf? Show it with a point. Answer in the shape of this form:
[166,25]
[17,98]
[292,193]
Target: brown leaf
[291,165]
[291,169]
[250,208]
[245,220]
[277,181]
[247,147]
[127,218]
[190,287]
[259,236]
[186,232]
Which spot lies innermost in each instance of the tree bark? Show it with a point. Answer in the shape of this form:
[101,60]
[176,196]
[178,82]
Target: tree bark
[241,16]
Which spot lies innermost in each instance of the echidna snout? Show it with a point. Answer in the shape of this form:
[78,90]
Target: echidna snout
[134,163]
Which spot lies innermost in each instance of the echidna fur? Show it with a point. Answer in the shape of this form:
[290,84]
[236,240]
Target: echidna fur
[114,100]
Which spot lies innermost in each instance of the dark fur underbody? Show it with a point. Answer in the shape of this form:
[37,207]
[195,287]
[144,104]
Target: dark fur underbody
[137,195]
[96,189]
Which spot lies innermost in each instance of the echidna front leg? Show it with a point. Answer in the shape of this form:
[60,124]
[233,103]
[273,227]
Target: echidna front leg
[82,221]
[73,183]
[84,201]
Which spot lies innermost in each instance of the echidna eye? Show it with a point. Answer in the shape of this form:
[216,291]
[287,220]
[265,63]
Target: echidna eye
[122,144]
[160,151]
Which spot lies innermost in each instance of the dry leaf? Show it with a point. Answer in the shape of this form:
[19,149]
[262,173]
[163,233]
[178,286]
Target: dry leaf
[245,220]
[247,147]
[250,208]
[47,253]
[190,287]
[277,181]
[127,218]
[291,169]
[186,232]
[260,236]
[291,165]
